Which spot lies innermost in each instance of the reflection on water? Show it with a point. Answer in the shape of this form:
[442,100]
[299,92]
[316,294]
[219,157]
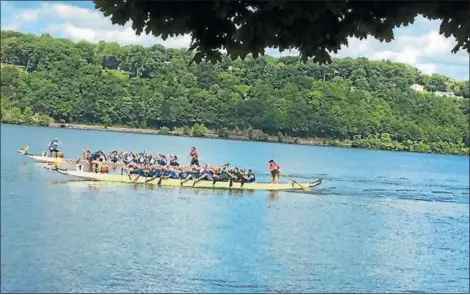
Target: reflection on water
[380,222]
[273,195]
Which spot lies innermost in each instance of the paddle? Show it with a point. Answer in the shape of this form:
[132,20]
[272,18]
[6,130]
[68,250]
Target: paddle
[127,172]
[183,181]
[154,177]
[159,178]
[296,182]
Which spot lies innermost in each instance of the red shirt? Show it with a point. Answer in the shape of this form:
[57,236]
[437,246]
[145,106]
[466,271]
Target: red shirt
[194,153]
[273,166]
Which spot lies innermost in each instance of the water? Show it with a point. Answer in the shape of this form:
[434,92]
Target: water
[380,222]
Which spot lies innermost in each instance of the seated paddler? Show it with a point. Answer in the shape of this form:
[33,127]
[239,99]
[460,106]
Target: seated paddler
[249,177]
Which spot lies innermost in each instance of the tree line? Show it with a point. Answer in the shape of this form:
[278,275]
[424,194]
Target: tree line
[358,102]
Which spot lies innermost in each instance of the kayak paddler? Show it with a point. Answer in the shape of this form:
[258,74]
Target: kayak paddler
[275,170]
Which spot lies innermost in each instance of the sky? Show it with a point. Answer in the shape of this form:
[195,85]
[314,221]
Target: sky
[419,45]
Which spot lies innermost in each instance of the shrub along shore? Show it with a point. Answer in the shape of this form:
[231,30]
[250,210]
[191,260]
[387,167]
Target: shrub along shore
[374,143]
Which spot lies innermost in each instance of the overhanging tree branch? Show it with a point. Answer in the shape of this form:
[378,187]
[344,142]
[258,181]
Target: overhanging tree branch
[316,28]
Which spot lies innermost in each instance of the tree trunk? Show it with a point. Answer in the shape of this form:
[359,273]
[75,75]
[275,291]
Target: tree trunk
[27,66]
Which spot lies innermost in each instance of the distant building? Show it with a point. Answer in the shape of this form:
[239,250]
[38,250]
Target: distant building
[444,93]
[417,87]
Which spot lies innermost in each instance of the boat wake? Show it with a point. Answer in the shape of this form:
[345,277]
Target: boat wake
[379,187]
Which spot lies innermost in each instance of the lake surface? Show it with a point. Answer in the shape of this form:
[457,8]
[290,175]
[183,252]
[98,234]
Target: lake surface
[380,222]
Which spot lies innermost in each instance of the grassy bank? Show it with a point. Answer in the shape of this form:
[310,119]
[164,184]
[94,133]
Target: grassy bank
[383,142]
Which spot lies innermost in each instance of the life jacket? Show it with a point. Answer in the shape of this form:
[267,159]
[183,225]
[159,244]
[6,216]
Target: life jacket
[167,173]
[104,169]
[162,161]
[174,175]
[57,161]
[251,177]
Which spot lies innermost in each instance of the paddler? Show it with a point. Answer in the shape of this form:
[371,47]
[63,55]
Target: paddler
[220,174]
[96,159]
[152,160]
[191,174]
[235,175]
[138,171]
[171,173]
[174,160]
[128,158]
[161,160]
[249,177]
[86,154]
[275,170]
[149,159]
[141,158]
[205,174]
[194,154]
[154,172]
[113,157]
[96,155]
[185,171]
[54,146]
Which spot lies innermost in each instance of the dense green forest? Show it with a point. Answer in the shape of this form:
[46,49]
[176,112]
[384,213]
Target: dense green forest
[358,102]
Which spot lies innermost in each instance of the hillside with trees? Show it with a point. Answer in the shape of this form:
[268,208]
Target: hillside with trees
[350,102]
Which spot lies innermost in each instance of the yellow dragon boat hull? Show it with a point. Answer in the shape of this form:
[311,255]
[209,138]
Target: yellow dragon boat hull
[201,184]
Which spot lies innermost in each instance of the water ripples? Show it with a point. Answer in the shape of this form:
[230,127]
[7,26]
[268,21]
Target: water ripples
[398,188]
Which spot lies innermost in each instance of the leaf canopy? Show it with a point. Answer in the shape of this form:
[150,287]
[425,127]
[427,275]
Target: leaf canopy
[315,28]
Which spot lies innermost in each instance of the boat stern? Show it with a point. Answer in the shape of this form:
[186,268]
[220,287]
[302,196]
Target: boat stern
[315,183]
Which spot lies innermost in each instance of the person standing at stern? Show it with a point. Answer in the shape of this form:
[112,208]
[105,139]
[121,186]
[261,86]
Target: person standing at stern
[194,154]
[275,170]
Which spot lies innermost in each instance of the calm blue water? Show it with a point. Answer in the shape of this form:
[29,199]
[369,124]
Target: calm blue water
[380,222]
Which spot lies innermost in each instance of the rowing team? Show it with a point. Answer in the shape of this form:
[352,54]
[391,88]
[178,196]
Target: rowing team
[199,173]
[139,158]
[131,157]
[209,173]
[195,173]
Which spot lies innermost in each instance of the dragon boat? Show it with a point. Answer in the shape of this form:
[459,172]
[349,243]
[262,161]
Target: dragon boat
[108,177]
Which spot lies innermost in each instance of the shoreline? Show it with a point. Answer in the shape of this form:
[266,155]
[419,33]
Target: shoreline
[322,142]
[210,135]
